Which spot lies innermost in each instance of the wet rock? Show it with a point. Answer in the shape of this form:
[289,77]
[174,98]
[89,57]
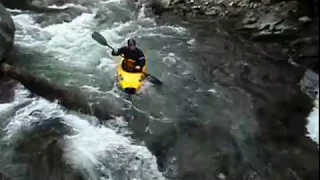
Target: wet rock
[266,2]
[6,90]
[291,6]
[213,11]
[45,3]
[3,177]
[7,30]
[269,26]
[196,7]
[174,2]
[42,151]
[250,18]
[288,116]
[66,15]
[157,6]
[37,6]
[23,4]
[305,51]
[310,84]
[69,97]
[245,3]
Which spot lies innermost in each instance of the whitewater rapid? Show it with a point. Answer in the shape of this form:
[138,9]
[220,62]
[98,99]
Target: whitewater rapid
[95,149]
[65,53]
[310,85]
[98,151]
[313,122]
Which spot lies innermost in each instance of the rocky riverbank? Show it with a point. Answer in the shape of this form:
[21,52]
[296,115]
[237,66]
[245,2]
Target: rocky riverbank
[293,24]
[6,32]
[284,34]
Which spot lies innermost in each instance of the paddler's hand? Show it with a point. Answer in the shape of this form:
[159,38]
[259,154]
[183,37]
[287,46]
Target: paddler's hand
[138,67]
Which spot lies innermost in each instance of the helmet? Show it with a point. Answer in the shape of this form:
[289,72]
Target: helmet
[131,42]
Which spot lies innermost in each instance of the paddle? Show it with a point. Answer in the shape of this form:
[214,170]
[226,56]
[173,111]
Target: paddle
[101,40]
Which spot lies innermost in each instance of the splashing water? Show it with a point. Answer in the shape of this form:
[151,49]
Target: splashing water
[94,149]
[99,147]
[313,122]
[65,53]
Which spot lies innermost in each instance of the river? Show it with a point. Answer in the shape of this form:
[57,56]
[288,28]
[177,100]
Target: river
[193,115]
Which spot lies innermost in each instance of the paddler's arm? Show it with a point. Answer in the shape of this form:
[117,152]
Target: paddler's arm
[142,59]
[118,52]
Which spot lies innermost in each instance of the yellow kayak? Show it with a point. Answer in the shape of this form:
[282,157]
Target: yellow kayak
[130,82]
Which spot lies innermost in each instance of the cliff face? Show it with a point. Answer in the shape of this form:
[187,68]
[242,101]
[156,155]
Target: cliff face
[7,30]
[293,24]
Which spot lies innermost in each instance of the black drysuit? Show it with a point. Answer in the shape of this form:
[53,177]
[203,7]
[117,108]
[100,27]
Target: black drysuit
[136,55]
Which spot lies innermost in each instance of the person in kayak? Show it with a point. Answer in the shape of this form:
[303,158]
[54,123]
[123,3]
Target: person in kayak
[134,57]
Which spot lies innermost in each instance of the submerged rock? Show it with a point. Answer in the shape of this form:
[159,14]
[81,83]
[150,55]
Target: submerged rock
[7,30]
[36,6]
[157,6]
[310,84]
[2,177]
[265,26]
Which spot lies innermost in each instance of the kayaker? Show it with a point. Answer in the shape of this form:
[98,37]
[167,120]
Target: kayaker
[134,57]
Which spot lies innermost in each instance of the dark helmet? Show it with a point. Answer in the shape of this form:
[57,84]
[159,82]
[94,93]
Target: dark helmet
[131,42]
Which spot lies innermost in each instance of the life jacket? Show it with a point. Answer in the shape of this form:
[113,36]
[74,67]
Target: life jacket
[129,65]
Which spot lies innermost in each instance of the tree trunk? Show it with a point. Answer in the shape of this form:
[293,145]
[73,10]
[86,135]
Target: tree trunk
[70,97]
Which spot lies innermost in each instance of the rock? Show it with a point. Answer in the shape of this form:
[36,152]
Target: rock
[46,3]
[7,30]
[231,4]
[266,2]
[67,15]
[3,177]
[212,11]
[190,2]
[6,90]
[292,6]
[22,4]
[250,18]
[305,19]
[158,7]
[69,97]
[196,7]
[36,6]
[174,2]
[269,27]
[310,83]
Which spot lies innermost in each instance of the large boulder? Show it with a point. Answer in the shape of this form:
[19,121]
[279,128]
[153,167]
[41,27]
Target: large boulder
[7,30]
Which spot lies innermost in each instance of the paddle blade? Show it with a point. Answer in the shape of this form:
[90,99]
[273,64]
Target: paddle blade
[154,80]
[99,38]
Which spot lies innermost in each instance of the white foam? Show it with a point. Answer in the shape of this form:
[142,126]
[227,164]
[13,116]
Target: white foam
[96,150]
[36,110]
[313,122]
[97,147]
[66,6]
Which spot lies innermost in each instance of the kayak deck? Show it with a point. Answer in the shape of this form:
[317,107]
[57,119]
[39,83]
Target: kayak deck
[130,82]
